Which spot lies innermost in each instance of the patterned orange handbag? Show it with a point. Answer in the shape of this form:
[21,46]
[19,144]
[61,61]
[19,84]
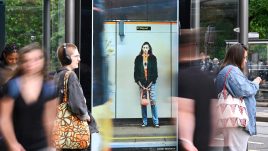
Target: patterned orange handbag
[69,132]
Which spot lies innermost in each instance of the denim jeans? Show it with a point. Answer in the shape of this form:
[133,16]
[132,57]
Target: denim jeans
[153,97]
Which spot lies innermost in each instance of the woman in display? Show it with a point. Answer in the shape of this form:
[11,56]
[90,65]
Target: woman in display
[145,75]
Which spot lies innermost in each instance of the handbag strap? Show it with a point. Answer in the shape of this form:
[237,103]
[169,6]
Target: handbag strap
[65,86]
[224,86]
[147,94]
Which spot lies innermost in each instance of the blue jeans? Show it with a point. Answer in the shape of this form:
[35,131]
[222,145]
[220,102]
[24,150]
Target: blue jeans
[153,97]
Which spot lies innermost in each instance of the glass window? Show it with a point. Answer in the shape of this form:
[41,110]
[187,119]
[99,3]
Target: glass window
[135,10]
[57,31]
[258,65]
[218,18]
[23,21]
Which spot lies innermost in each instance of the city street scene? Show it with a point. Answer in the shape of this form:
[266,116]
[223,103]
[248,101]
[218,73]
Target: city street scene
[134,75]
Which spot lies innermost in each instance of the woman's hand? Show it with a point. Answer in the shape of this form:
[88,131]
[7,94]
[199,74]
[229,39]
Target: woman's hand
[88,119]
[16,147]
[149,86]
[187,145]
[257,80]
[141,85]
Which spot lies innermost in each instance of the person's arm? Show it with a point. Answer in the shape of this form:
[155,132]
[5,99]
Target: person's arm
[186,123]
[149,86]
[50,111]
[240,85]
[137,72]
[155,70]
[77,100]
[214,123]
[139,83]
[7,129]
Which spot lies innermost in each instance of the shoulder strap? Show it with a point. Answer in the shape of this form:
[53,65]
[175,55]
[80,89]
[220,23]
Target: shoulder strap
[65,86]
[224,86]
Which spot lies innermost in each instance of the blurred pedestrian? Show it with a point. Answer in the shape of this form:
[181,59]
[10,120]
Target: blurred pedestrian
[9,56]
[101,100]
[69,58]
[215,66]
[238,85]
[196,96]
[8,64]
[145,75]
[205,63]
[28,107]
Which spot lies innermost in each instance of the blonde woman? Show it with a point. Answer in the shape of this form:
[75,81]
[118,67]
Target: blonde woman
[28,107]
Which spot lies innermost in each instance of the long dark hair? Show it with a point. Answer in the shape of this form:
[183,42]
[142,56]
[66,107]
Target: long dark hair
[235,56]
[150,48]
[9,49]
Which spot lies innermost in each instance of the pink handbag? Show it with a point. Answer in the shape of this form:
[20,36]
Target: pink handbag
[232,112]
[144,97]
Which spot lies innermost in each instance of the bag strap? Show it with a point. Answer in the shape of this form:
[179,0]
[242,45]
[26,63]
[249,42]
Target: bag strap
[65,86]
[147,94]
[224,86]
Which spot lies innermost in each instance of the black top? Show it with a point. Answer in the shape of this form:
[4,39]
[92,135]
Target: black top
[28,118]
[151,67]
[199,86]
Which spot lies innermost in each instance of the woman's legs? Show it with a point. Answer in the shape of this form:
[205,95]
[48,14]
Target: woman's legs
[144,114]
[154,113]
[153,98]
[235,139]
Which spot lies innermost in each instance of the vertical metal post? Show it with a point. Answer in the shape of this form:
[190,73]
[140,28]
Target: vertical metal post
[77,28]
[78,23]
[70,21]
[195,13]
[46,27]
[2,25]
[243,21]
[195,19]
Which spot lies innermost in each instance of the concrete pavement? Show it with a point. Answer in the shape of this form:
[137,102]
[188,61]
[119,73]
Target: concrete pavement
[262,116]
[136,136]
[129,133]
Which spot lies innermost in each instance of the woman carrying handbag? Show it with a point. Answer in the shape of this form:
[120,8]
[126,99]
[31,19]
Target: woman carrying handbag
[231,78]
[145,75]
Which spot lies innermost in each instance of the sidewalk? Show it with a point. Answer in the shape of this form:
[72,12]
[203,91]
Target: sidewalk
[262,116]
[129,134]
[132,135]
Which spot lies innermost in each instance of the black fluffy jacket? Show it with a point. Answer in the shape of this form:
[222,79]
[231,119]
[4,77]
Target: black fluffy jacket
[151,68]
